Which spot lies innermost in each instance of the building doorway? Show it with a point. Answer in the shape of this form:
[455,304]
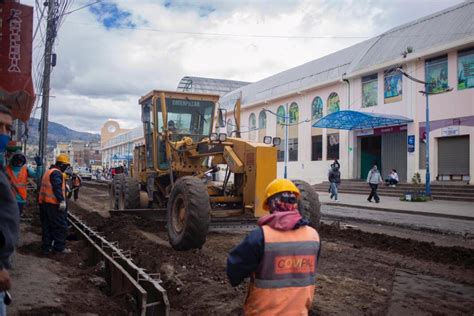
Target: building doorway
[370,153]
[453,158]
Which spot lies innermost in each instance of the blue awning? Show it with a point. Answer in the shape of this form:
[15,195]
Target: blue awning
[351,120]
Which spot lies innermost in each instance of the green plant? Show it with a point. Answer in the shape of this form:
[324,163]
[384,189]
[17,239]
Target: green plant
[418,194]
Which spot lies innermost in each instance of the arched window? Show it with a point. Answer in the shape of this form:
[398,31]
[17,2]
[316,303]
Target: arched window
[280,132]
[281,114]
[294,113]
[316,109]
[333,103]
[294,117]
[332,141]
[316,133]
[262,125]
[252,126]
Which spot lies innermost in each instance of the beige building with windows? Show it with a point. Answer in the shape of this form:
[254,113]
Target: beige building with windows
[117,144]
[363,78]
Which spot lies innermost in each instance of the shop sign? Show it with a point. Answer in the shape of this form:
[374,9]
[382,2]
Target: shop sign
[450,131]
[391,129]
[411,143]
[16,31]
[364,132]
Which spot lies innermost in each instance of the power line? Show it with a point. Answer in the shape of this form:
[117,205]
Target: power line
[134,28]
[39,20]
[83,7]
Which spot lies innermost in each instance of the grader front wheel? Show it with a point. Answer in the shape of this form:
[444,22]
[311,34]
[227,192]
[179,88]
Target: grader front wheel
[115,189]
[309,205]
[129,194]
[188,214]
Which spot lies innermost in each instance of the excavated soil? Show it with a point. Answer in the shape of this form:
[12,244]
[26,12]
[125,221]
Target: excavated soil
[57,284]
[359,273]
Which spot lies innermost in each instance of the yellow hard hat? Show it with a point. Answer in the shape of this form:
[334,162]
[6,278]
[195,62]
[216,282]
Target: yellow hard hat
[63,158]
[278,186]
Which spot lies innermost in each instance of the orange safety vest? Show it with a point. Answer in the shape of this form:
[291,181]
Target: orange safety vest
[76,182]
[20,182]
[46,194]
[284,283]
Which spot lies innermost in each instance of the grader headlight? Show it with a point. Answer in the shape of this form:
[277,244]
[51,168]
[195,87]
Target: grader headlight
[214,137]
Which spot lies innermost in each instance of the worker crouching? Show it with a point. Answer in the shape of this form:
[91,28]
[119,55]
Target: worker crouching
[280,257]
[52,203]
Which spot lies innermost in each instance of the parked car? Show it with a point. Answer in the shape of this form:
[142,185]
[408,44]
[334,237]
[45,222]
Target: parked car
[84,173]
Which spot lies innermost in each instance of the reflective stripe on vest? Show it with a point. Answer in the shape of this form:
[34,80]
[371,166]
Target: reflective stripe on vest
[46,194]
[285,280]
[20,182]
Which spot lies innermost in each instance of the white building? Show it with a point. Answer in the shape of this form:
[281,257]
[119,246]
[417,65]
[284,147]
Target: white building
[438,48]
[118,149]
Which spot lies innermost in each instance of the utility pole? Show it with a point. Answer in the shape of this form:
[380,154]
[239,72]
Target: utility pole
[50,36]
[287,122]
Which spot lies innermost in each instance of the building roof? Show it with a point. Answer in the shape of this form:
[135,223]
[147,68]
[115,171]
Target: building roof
[209,85]
[441,28]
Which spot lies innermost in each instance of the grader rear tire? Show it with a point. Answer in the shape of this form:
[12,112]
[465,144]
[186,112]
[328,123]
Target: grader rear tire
[309,205]
[115,190]
[188,214]
[130,194]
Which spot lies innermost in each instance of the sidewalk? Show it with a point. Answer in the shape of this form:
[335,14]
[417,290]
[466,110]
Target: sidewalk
[439,208]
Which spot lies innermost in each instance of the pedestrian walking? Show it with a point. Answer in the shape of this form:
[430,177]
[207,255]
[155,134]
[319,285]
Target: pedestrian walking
[334,180]
[9,213]
[374,179]
[18,173]
[279,257]
[52,203]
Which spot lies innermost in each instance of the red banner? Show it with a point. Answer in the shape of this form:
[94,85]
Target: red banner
[16,35]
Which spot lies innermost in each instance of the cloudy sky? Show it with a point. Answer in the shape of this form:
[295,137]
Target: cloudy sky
[111,53]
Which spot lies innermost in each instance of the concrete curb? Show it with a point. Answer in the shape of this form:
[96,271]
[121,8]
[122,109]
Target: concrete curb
[390,210]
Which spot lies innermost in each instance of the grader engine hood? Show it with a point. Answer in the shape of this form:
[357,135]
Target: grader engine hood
[258,164]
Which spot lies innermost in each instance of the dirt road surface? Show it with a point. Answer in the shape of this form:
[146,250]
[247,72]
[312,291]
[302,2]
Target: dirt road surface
[359,272]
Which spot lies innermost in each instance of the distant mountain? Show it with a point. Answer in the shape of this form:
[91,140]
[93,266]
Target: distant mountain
[58,133]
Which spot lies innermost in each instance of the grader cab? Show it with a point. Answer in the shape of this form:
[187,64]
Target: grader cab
[196,174]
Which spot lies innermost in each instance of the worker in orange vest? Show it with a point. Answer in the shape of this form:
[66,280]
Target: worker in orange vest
[76,184]
[73,183]
[18,173]
[280,257]
[52,203]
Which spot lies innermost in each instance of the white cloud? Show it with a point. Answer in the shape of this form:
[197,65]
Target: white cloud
[101,73]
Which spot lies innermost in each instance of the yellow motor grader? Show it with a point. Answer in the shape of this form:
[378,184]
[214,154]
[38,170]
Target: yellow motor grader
[177,168]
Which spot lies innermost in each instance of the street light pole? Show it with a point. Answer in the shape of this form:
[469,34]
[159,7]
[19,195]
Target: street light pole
[427,149]
[287,122]
[427,92]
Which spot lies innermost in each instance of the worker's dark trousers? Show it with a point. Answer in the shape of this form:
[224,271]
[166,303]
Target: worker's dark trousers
[373,192]
[76,193]
[54,227]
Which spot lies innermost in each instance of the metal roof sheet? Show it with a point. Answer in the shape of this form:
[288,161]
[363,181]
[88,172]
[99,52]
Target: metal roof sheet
[440,28]
[443,27]
[209,85]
